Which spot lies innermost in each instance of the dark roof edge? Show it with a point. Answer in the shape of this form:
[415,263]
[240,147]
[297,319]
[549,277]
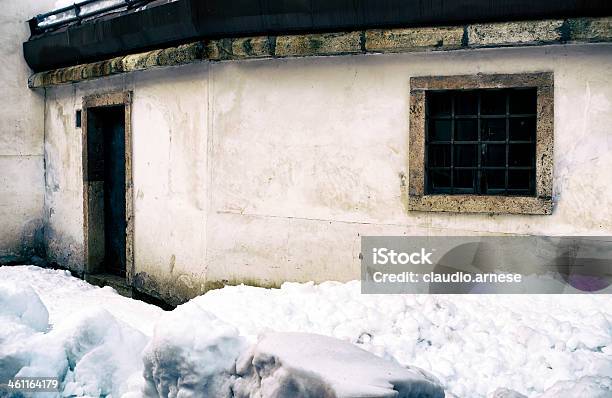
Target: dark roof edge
[374,41]
[185,21]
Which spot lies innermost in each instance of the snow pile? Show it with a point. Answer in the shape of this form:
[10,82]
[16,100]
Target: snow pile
[65,297]
[101,353]
[191,354]
[22,314]
[473,344]
[314,366]
[91,351]
[101,344]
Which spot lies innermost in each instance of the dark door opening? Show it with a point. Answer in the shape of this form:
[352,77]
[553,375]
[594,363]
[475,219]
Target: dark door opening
[106,190]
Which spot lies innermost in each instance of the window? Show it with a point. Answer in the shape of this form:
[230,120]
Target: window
[481,143]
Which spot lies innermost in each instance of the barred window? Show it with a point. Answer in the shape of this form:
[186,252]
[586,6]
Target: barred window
[481,142]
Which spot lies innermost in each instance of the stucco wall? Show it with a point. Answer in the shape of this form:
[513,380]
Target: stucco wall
[270,170]
[21,138]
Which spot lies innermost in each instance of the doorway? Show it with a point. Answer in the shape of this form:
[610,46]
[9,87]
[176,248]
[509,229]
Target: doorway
[107,185]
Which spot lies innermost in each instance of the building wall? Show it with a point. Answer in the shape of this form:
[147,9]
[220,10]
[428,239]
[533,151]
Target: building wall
[271,170]
[21,138]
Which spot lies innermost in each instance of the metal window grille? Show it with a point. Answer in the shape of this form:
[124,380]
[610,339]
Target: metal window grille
[481,142]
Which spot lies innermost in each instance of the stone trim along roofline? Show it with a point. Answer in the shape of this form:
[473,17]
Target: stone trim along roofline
[373,41]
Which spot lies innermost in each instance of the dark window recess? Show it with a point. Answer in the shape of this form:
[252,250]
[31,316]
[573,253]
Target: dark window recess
[481,142]
[78,119]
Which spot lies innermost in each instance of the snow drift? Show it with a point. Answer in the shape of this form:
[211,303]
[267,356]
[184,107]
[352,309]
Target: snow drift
[191,353]
[229,342]
[92,352]
[194,354]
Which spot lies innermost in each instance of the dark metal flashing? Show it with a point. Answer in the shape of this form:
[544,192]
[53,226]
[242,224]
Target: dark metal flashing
[375,41]
[185,21]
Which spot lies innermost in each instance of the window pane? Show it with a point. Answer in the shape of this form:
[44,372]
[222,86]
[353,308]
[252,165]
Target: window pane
[466,130]
[466,103]
[493,129]
[494,155]
[440,130]
[493,102]
[519,179]
[439,104]
[520,155]
[522,129]
[439,155]
[464,179]
[523,101]
[466,155]
[439,180]
[493,179]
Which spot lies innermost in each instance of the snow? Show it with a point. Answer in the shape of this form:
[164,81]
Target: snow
[472,343]
[587,386]
[506,393]
[90,350]
[100,343]
[23,305]
[65,296]
[55,325]
[86,10]
[192,353]
[94,352]
[315,366]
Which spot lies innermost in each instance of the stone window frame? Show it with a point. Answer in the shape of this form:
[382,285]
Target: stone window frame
[541,203]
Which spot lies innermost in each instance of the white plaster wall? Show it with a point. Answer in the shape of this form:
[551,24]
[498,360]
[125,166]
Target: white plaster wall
[21,137]
[63,179]
[271,170]
[308,154]
[170,178]
[169,124]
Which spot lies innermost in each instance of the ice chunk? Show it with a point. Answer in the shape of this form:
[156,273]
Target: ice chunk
[92,353]
[102,352]
[314,366]
[20,303]
[192,354]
